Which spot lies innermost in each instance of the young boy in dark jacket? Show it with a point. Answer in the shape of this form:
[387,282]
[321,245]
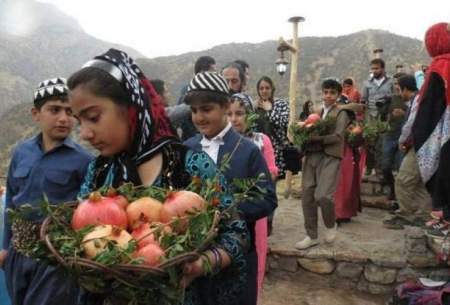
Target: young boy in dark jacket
[208,96]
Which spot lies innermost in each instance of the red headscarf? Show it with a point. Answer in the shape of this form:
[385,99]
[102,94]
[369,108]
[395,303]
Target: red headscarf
[437,42]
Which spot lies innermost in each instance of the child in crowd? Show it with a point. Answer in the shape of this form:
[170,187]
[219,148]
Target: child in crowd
[208,96]
[239,116]
[111,93]
[321,166]
[49,164]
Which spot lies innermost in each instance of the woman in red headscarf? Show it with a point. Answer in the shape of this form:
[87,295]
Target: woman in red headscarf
[431,129]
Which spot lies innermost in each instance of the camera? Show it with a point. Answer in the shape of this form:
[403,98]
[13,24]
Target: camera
[381,101]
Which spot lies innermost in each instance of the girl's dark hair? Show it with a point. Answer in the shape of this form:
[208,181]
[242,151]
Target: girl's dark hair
[158,85]
[100,83]
[306,105]
[267,80]
[202,97]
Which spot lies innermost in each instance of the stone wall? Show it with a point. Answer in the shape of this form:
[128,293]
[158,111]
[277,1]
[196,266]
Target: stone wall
[376,275]
[373,194]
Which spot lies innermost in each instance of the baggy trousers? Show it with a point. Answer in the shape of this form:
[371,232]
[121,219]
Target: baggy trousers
[319,180]
[412,195]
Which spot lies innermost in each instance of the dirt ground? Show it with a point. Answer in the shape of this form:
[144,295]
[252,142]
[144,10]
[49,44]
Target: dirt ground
[279,290]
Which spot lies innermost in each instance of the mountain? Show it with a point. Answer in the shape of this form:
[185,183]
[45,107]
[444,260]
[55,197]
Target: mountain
[50,43]
[38,41]
[319,58]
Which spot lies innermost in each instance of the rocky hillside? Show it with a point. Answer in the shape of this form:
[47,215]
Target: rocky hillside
[38,41]
[320,57]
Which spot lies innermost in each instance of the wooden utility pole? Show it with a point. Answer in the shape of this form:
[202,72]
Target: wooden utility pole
[294,49]
[294,66]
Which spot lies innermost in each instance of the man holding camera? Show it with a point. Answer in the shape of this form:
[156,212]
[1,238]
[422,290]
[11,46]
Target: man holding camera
[377,94]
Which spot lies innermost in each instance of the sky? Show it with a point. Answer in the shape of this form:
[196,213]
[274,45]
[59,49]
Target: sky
[167,27]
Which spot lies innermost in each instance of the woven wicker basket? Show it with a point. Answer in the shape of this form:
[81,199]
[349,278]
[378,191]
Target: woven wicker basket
[129,274]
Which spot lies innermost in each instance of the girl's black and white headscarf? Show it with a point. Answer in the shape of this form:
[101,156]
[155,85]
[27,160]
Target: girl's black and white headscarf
[150,127]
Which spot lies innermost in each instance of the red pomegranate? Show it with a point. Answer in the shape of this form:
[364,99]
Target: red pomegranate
[99,210]
[179,203]
[150,254]
[312,119]
[144,235]
[357,130]
[143,210]
[121,200]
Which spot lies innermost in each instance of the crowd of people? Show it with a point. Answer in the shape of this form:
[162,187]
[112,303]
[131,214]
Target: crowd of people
[214,120]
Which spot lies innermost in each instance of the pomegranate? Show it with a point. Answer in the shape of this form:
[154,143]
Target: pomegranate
[357,129]
[179,204]
[150,233]
[98,210]
[312,119]
[96,241]
[150,254]
[143,210]
[121,200]
[144,235]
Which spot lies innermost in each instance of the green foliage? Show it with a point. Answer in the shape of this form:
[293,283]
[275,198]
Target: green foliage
[372,131]
[301,133]
[251,122]
[369,135]
[136,287]
[354,134]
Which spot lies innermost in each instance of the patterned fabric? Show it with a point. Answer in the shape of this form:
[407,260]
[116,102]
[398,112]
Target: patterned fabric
[431,128]
[257,138]
[245,99]
[428,156]
[145,112]
[50,88]
[279,119]
[209,81]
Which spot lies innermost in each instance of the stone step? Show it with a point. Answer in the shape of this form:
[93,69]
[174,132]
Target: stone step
[378,202]
[373,188]
[365,256]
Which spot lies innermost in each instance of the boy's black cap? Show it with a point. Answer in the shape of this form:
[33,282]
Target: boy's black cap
[50,88]
[209,81]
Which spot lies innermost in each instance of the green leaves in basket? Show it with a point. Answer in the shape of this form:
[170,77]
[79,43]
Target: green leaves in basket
[114,255]
[133,193]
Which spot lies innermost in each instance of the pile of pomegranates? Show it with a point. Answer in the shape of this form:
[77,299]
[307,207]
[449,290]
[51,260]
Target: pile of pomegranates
[144,221]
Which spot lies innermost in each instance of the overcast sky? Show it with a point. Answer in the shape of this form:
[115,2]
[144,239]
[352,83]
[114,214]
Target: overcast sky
[168,27]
